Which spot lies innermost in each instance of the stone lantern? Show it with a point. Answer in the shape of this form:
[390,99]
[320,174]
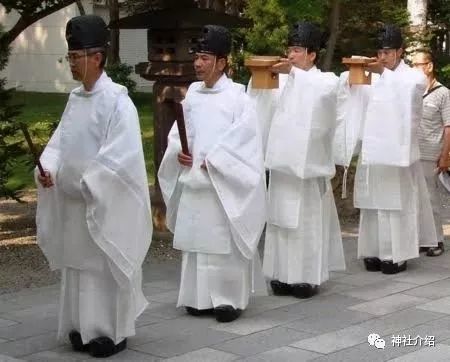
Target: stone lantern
[171,33]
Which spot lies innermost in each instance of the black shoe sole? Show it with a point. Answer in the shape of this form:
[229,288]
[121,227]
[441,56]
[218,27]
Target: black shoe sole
[372,264]
[304,290]
[390,268]
[104,347]
[226,314]
[280,289]
[198,312]
[77,342]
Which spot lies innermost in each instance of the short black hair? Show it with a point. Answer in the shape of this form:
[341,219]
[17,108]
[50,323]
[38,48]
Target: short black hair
[104,53]
[104,58]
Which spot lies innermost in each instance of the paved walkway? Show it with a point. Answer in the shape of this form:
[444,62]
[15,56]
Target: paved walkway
[332,326]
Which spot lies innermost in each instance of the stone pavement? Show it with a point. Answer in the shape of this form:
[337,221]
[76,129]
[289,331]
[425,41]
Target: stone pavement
[333,326]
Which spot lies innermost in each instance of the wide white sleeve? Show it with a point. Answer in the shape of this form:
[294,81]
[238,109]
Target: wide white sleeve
[301,135]
[236,168]
[51,156]
[393,115]
[264,102]
[352,104]
[168,174]
[115,189]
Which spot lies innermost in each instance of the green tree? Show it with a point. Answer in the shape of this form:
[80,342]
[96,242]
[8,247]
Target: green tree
[10,148]
[351,24]
[11,139]
[439,17]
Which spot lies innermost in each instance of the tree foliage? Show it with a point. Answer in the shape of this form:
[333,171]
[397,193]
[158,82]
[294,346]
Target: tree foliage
[439,17]
[10,148]
[357,23]
[12,151]
[30,11]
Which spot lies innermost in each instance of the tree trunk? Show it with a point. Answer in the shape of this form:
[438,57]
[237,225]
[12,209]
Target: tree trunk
[418,18]
[80,7]
[202,4]
[233,7]
[114,48]
[418,14]
[334,31]
[219,5]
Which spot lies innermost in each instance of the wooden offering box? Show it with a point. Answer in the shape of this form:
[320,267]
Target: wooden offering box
[357,73]
[262,76]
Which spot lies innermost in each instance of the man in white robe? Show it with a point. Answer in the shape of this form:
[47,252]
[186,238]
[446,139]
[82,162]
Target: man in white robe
[93,216]
[303,238]
[390,188]
[215,195]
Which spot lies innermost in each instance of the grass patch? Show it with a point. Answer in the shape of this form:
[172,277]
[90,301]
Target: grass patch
[42,111]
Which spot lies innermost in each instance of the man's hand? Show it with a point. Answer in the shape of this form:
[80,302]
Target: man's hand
[442,164]
[374,67]
[185,160]
[284,66]
[46,181]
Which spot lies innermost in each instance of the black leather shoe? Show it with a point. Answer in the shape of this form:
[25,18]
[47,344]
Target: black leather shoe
[226,313]
[388,267]
[199,312]
[77,342]
[304,290]
[436,251]
[104,347]
[372,264]
[280,288]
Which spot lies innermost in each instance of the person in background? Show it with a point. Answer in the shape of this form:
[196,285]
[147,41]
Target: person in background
[434,137]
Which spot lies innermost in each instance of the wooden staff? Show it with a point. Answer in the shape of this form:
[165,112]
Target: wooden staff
[179,115]
[35,154]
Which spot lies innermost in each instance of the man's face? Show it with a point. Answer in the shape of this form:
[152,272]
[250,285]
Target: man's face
[208,66]
[421,62]
[83,63]
[389,57]
[300,58]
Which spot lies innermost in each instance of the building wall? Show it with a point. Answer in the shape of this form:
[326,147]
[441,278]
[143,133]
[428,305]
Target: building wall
[37,58]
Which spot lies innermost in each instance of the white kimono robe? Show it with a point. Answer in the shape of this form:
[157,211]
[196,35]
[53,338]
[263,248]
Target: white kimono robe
[95,222]
[303,238]
[217,216]
[265,101]
[390,188]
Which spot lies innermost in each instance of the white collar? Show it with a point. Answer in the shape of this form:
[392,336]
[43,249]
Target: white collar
[98,86]
[219,86]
